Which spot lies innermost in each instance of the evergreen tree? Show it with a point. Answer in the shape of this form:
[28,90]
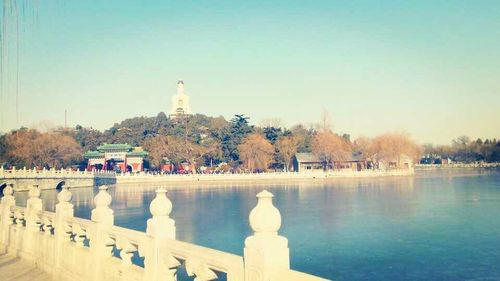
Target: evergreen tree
[272,134]
[233,136]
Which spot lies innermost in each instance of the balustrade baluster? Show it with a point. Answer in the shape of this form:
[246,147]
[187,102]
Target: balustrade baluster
[109,243]
[12,216]
[19,215]
[200,270]
[79,235]
[47,226]
[126,250]
[67,231]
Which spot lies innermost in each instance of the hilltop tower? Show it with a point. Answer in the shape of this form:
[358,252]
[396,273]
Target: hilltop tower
[180,102]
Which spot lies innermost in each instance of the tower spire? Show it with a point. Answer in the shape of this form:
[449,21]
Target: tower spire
[180,102]
[180,87]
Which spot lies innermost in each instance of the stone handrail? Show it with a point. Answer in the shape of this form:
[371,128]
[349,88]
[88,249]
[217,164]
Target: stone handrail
[46,221]
[127,241]
[134,236]
[202,261]
[66,246]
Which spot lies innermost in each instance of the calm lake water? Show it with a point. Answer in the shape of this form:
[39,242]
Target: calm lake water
[437,225]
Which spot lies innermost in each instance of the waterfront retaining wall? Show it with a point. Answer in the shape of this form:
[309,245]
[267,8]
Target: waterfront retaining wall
[24,179]
[151,178]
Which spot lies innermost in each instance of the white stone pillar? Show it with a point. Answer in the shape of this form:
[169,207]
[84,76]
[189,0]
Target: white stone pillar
[103,216]
[6,204]
[64,210]
[265,249]
[158,263]
[33,206]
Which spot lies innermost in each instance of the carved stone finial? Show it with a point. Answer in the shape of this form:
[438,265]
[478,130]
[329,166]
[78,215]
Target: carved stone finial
[65,195]
[8,190]
[103,199]
[34,191]
[265,218]
[161,205]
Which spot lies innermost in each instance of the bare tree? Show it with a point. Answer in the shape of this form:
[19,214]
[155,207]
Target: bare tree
[256,152]
[175,149]
[53,149]
[326,124]
[57,150]
[158,148]
[331,148]
[391,147]
[20,147]
[362,146]
[286,147]
[271,122]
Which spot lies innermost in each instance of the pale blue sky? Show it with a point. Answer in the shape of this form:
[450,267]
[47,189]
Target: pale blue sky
[431,68]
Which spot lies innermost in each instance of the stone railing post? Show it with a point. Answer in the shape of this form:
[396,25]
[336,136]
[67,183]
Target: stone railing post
[102,216]
[265,249]
[158,264]
[64,210]
[33,205]
[6,204]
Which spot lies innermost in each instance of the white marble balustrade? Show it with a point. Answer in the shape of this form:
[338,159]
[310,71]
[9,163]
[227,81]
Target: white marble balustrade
[71,248]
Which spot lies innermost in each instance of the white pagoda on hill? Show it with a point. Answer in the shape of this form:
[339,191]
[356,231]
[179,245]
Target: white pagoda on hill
[180,102]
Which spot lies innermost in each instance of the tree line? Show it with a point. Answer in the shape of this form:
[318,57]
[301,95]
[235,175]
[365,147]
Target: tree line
[211,141]
[464,149]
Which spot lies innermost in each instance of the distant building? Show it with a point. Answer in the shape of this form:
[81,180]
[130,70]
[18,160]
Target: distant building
[116,157]
[306,162]
[435,159]
[403,162]
[446,161]
[180,102]
[180,168]
[309,162]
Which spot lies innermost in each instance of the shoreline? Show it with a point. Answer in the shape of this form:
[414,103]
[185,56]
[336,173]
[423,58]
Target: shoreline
[457,166]
[243,179]
[249,178]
